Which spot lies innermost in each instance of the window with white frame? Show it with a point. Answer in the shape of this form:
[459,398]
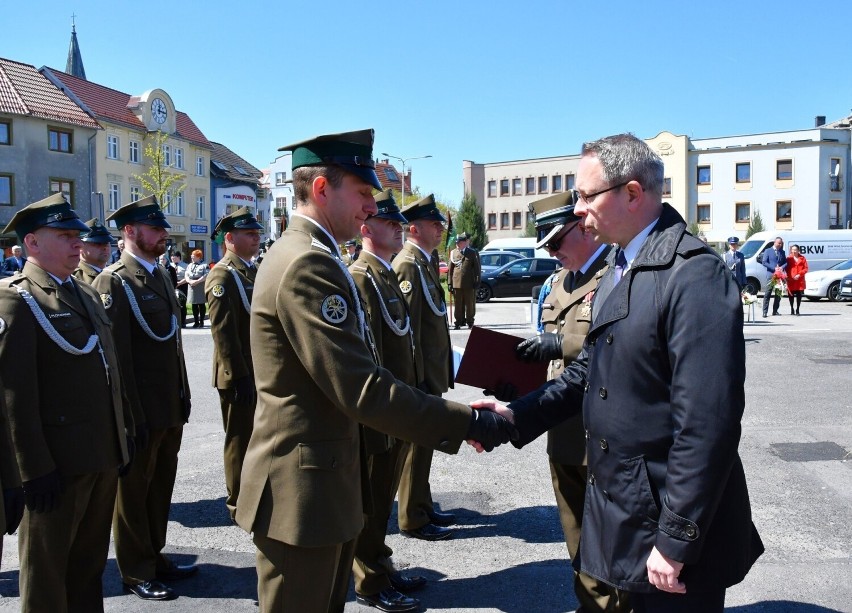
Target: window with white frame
[556,183]
[516,187]
[783,210]
[703,213]
[492,221]
[179,157]
[112,146]
[743,212]
[542,185]
[281,204]
[167,155]
[179,204]
[280,178]
[199,207]
[784,170]
[114,196]
[167,197]
[835,218]
[492,189]
[134,151]
[569,181]
[199,166]
[135,193]
[530,185]
[504,221]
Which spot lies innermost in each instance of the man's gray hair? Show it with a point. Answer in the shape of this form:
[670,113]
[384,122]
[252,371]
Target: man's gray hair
[625,158]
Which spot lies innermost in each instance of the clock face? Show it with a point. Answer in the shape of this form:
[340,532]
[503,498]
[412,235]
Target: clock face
[158,110]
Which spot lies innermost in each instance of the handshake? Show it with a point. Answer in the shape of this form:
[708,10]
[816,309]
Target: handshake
[491,425]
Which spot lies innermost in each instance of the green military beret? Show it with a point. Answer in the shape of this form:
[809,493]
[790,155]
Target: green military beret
[353,151]
[388,208]
[145,211]
[241,219]
[425,208]
[552,214]
[52,212]
[97,233]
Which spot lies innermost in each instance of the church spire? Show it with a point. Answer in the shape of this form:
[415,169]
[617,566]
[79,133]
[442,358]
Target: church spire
[74,65]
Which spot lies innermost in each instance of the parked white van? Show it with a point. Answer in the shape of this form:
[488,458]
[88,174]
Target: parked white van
[524,245]
[822,248]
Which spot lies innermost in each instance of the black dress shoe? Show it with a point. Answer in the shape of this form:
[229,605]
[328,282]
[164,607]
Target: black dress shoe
[151,590]
[403,583]
[389,600]
[440,518]
[176,572]
[429,532]
[456,327]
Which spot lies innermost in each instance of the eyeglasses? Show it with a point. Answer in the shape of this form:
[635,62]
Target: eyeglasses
[554,243]
[589,198]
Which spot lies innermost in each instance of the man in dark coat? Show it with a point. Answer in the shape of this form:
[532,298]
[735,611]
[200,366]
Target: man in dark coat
[774,260]
[660,382]
[736,262]
[14,262]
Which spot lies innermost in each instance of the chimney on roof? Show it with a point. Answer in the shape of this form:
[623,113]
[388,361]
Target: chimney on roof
[74,64]
[819,120]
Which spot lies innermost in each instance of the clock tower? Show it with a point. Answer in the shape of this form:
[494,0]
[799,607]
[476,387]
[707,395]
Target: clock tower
[155,109]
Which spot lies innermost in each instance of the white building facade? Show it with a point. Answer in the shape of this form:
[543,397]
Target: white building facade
[793,180]
[280,192]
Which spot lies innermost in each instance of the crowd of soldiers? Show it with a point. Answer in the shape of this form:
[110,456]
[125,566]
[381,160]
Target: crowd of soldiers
[347,410]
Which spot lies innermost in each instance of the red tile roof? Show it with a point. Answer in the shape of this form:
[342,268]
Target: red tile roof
[25,91]
[382,168]
[112,105]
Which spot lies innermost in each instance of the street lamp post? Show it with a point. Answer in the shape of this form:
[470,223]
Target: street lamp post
[402,180]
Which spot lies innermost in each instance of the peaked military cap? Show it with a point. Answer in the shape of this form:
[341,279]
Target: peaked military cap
[388,208]
[241,219]
[425,208]
[464,236]
[351,243]
[145,211]
[52,212]
[353,151]
[97,233]
[552,214]
[733,241]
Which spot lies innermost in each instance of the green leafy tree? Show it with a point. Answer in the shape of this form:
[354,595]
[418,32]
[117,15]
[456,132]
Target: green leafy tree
[696,231]
[158,179]
[530,229]
[469,219]
[755,225]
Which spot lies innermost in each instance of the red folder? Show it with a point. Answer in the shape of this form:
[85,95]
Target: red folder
[489,361]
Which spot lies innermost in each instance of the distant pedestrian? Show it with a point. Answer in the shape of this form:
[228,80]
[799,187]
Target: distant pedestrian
[14,263]
[775,261]
[797,266]
[736,262]
[195,277]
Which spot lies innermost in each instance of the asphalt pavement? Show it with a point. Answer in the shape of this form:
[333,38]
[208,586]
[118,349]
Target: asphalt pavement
[507,553]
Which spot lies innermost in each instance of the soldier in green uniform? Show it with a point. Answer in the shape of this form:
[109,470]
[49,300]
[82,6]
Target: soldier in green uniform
[566,314]
[376,581]
[95,252]
[12,509]
[54,334]
[140,300]
[421,287]
[229,288]
[317,377]
[463,279]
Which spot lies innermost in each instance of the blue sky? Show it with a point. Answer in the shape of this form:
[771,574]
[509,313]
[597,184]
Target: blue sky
[484,81]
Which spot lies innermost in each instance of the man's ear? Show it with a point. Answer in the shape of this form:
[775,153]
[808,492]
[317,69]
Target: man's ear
[635,193]
[319,190]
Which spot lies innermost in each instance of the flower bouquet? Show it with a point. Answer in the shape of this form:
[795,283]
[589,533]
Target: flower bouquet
[777,284]
[748,298]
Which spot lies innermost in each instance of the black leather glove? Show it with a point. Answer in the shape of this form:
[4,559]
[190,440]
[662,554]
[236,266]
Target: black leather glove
[244,390]
[541,348]
[131,453]
[43,493]
[490,429]
[504,392]
[13,507]
[142,436]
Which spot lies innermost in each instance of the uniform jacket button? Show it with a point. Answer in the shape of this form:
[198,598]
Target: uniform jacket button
[562,323]
[602,393]
[604,444]
[593,341]
[586,389]
[609,339]
[690,531]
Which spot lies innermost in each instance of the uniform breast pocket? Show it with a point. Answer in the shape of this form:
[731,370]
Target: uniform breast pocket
[72,328]
[327,455]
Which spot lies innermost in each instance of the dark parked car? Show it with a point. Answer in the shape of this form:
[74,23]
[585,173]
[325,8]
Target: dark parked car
[846,287]
[515,279]
[492,260]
